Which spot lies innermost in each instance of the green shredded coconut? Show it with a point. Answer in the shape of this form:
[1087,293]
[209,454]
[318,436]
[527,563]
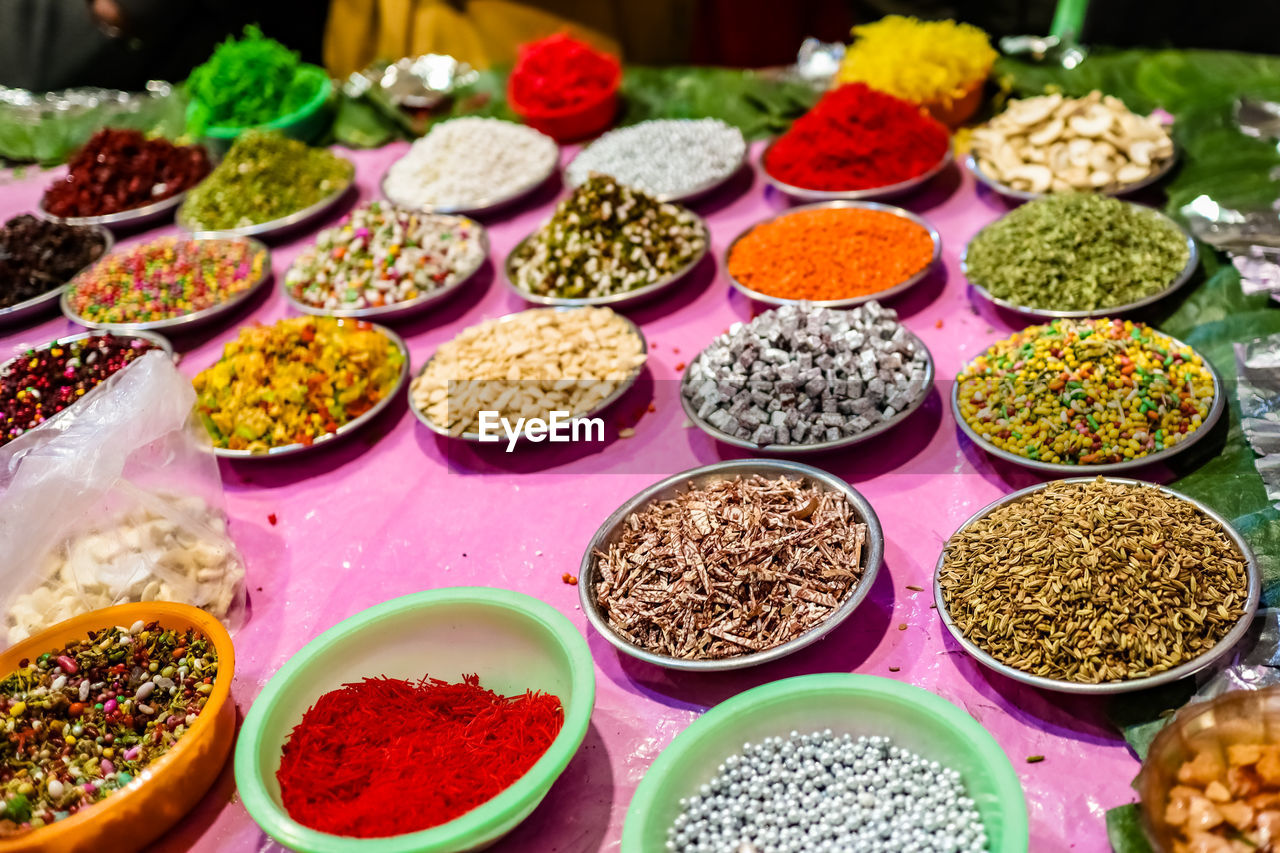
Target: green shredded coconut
[263,177]
[247,83]
[1077,252]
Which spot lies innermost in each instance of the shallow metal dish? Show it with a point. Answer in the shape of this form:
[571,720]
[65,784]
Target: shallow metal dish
[125,219]
[887,191]
[853,300]
[623,387]
[479,206]
[185,321]
[347,428]
[158,341]
[971,164]
[845,441]
[399,309]
[690,193]
[1206,426]
[49,299]
[273,226]
[1193,263]
[613,300]
[608,532]
[1209,658]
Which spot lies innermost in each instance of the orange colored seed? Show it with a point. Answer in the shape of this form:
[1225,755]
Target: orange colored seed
[838,253]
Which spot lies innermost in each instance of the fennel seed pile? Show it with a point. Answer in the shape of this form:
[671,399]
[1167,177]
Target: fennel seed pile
[1094,582]
[730,568]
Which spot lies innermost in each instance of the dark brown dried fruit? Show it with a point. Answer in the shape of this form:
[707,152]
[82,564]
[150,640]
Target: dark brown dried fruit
[37,256]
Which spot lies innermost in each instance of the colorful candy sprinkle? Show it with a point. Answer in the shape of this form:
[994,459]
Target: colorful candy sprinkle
[166,278]
[38,384]
[75,732]
[1086,392]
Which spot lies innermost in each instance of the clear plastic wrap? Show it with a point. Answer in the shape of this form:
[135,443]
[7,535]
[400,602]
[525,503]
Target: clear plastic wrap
[117,499]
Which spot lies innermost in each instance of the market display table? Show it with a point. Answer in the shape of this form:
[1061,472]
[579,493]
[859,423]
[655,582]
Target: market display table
[397,509]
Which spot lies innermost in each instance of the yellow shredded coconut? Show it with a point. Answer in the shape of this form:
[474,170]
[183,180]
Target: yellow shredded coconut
[919,61]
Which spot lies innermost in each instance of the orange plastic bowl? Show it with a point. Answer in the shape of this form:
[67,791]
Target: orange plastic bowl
[955,111]
[576,122]
[169,787]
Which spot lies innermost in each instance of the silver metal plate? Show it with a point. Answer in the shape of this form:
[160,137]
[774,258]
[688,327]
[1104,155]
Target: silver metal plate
[1209,658]
[185,321]
[48,300]
[853,300]
[608,533]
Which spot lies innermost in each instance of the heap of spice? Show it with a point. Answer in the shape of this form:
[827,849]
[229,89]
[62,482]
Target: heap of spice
[37,256]
[856,138]
[804,375]
[663,157]
[295,382]
[166,278]
[606,238]
[730,568]
[469,163]
[1227,801]
[1084,392]
[81,722]
[40,383]
[558,74]
[249,82]
[1057,144]
[528,365]
[1077,252]
[830,254]
[1095,581]
[454,747]
[166,548]
[820,791]
[118,170]
[933,63]
[264,177]
[382,255]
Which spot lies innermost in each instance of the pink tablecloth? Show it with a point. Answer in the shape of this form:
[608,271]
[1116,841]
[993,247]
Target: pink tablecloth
[397,510]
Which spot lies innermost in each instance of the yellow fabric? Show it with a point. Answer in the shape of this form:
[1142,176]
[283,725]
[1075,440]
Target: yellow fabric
[481,32]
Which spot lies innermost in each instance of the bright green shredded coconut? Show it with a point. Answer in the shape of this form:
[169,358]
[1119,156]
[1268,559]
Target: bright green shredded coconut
[247,83]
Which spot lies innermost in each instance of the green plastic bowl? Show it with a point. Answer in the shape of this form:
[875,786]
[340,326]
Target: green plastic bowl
[307,123]
[514,642]
[855,704]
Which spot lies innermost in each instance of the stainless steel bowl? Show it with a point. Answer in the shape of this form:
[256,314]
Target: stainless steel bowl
[125,219]
[622,388]
[1209,658]
[479,206]
[156,340]
[671,486]
[347,428]
[272,226]
[185,321]
[853,300]
[613,300]
[397,310]
[1215,411]
[791,449]
[49,299]
[687,194]
[888,191]
[1189,270]
[971,164]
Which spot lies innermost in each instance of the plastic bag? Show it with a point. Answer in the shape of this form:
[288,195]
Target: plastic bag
[117,499]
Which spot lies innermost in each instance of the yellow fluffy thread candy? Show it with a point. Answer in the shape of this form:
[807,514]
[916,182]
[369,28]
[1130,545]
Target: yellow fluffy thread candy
[919,61]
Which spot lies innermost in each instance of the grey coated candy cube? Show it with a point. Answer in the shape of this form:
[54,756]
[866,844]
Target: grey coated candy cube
[761,398]
[763,435]
[706,409]
[792,418]
[875,388]
[815,386]
[860,424]
[723,421]
[832,419]
[799,431]
[781,435]
[832,433]
[828,403]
